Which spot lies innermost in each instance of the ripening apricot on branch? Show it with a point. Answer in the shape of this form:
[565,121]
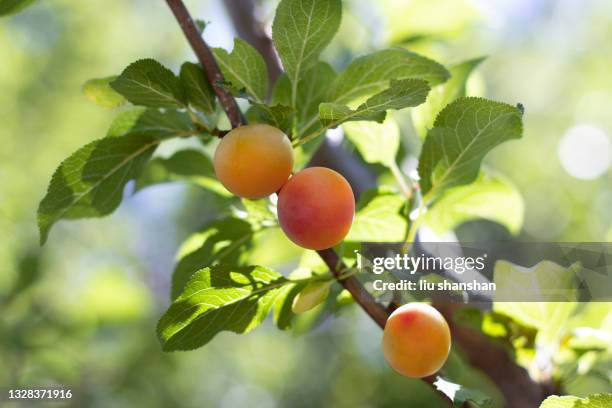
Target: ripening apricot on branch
[316,208]
[416,340]
[254,161]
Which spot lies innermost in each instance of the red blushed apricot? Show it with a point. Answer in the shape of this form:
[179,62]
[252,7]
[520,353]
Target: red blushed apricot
[316,208]
[416,340]
[254,161]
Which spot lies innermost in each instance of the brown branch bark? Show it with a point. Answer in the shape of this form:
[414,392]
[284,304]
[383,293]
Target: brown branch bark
[207,60]
[375,310]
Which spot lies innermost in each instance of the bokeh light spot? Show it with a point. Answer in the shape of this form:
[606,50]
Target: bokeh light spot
[585,151]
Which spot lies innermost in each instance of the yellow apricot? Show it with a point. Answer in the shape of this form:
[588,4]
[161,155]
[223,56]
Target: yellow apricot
[416,340]
[254,161]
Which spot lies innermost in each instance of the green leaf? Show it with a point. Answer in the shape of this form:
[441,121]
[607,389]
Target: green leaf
[413,39]
[333,114]
[146,82]
[548,280]
[219,241]
[310,296]
[344,298]
[125,120]
[99,92]
[201,24]
[377,143]
[8,7]
[490,197]
[378,217]
[90,182]
[554,285]
[244,68]
[464,132]
[459,394]
[281,91]
[311,91]
[198,90]
[283,311]
[372,73]
[219,298]
[424,115]
[555,401]
[568,401]
[29,272]
[279,116]
[506,331]
[595,401]
[301,30]
[259,211]
[401,94]
[185,165]
[597,315]
[152,122]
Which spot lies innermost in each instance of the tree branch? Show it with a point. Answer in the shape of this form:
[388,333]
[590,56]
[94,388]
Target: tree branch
[368,303]
[207,60]
[375,310]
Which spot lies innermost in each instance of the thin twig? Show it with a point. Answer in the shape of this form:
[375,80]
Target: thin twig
[406,189]
[414,227]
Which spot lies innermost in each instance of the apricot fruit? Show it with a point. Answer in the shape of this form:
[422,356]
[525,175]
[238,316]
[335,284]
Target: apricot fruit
[254,161]
[316,208]
[416,340]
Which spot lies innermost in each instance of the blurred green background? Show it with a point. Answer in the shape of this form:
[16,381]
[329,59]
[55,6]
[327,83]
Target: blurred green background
[82,310]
